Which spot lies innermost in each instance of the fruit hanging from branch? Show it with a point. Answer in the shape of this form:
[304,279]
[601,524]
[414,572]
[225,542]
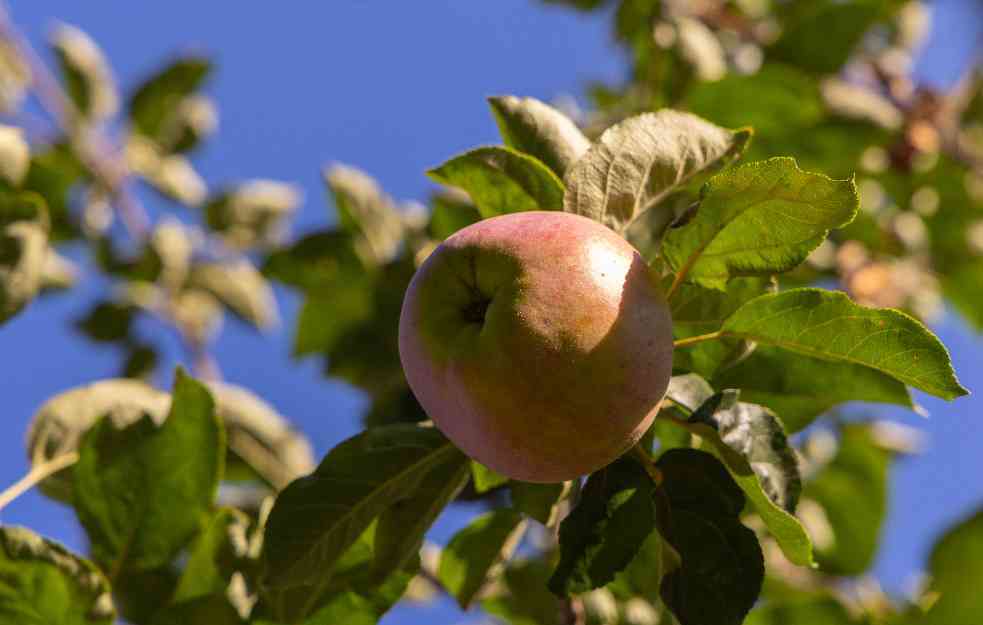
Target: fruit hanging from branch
[539,342]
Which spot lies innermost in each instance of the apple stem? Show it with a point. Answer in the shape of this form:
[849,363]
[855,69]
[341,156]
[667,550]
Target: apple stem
[693,340]
[645,459]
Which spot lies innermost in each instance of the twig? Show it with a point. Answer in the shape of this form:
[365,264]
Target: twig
[693,340]
[91,147]
[644,458]
[37,473]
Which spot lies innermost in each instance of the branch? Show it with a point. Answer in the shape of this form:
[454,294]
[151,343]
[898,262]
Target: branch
[92,148]
[37,474]
[693,340]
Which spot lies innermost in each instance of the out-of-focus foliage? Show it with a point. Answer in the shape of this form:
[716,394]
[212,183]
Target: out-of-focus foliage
[204,505]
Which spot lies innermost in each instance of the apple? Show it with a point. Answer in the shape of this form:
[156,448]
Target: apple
[538,342]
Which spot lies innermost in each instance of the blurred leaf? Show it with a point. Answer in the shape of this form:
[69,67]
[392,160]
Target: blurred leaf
[820,35]
[472,555]
[241,288]
[827,325]
[208,610]
[639,161]
[956,566]
[697,310]
[501,180]
[107,321]
[799,388]
[140,595]
[528,601]
[141,362]
[159,97]
[537,129]
[327,315]
[318,517]
[752,445]
[852,491]
[451,210]
[614,516]
[758,219]
[15,155]
[23,248]
[643,575]
[54,171]
[365,212]
[538,501]
[42,583]
[15,77]
[813,609]
[721,570]
[348,608]
[484,478]
[59,424]
[137,510]
[252,214]
[88,79]
[324,259]
[213,556]
[961,288]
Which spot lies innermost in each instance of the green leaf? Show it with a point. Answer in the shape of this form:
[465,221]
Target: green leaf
[722,567]
[208,610]
[961,290]
[326,316]
[53,174]
[812,609]
[88,79]
[23,248]
[501,180]
[451,210]
[697,310]
[157,100]
[758,219]
[42,583]
[240,288]
[318,517]
[643,575]
[348,608]
[473,554]
[321,259]
[956,566]
[752,445]
[107,321]
[214,557]
[484,478]
[820,35]
[756,435]
[615,515]
[528,601]
[799,388]
[827,325]
[538,501]
[365,212]
[142,488]
[852,491]
[401,527]
[638,162]
[530,126]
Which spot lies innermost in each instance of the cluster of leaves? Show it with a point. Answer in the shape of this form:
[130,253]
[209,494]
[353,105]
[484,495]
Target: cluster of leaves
[716,518]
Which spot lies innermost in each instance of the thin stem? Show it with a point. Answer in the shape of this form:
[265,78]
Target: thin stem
[644,458]
[693,340]
[91,147]
[37,473]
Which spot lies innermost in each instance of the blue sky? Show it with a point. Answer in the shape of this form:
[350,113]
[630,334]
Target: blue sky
[394,88]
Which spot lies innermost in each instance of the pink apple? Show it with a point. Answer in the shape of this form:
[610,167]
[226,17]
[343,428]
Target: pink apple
[538,342]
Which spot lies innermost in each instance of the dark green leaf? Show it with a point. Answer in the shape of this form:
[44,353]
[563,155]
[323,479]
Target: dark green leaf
[207,610]
[472,555]
[827,325]
[319,260]
[53,174]
[852,491]
[485,479]
[214,557]
[530,126]
[615,515]
[528,601]
[156,101]
[722,566]
[638,162]
[141,488]
[318,517]
[751,443]
[107,321]
[538,501]
[758,219]
[956,566]
[799,388]
[501,180]
[42,583]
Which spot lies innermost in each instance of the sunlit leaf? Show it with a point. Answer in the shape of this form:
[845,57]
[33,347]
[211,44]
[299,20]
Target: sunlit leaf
[533,127]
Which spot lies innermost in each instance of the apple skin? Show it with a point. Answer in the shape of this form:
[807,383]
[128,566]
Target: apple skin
[538,342]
